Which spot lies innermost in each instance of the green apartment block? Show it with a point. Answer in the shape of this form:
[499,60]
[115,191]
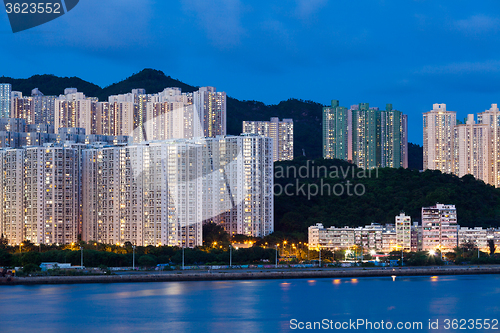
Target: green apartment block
[335,138]
[366,136]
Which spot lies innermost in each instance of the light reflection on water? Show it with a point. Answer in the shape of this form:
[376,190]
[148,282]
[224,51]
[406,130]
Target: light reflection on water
[244,306]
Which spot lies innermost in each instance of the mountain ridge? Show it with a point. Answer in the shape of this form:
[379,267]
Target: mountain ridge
[307,115]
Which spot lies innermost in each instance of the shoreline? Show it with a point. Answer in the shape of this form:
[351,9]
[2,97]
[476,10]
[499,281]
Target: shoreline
[249,275]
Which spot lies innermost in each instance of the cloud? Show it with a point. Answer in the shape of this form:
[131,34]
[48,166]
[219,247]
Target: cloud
[306,8]
[477,24]
[491,66]
[221,20]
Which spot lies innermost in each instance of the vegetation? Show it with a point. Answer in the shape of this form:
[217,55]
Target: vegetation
[415,156]
[386,194]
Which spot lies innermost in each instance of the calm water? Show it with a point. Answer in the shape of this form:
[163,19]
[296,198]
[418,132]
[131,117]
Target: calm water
[246,306]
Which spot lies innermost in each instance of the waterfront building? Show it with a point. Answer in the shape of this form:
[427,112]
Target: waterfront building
[5,92]
[476,236]
[389,240]
[416,237]
[51,178]
[11,195]
[371,237]
[403,231]
[146,194]
[439,227]
[365,135]
[280,131]
[39,195]
[162,192]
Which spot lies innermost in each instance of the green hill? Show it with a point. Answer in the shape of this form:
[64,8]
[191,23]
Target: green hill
[51,85]
[152,80]
[393,191]
[307,115]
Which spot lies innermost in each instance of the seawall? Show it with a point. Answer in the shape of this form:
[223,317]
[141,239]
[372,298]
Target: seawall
[250,275]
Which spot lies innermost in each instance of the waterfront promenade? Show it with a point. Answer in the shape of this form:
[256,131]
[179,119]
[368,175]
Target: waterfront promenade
[252,274]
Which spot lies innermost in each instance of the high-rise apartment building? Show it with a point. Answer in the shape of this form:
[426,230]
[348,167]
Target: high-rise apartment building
[74,109]
[280,131]
[35,109]
[39,195]
[114,118]
[472,149]
[365,135]
[337,123]
[161,192]
[172,114]
[11,195]
[5,92]
[403,232]
[439,140]
[439,228]
[491,118]
[463,148]
[210,107]
[51,195]
[147,194]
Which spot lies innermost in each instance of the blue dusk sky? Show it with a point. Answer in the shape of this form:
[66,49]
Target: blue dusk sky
[408,53]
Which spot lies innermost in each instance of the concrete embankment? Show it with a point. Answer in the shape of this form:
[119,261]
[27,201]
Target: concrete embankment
[250,275]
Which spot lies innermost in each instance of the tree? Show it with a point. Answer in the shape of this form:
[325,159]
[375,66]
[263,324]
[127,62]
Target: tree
[3,242]
[212,233]
[468,246]
[491,246]
[147,260]
[5,258]
[30,268]
[31,258]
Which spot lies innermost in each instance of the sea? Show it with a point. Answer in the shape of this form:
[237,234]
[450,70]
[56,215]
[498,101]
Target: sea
[438,303]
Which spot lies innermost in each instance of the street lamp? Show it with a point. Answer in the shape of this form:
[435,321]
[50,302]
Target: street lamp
[276,260]
[81,249]
[20,244]
[133,257]
[183,258]
[319,255]
[230,255]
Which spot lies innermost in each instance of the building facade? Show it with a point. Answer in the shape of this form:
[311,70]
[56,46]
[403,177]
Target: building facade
[35,109]
[280,131]
[5,92]
[439,228]
[439,139]
[160,193]
[365,135]
[403,231]
[39,195]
